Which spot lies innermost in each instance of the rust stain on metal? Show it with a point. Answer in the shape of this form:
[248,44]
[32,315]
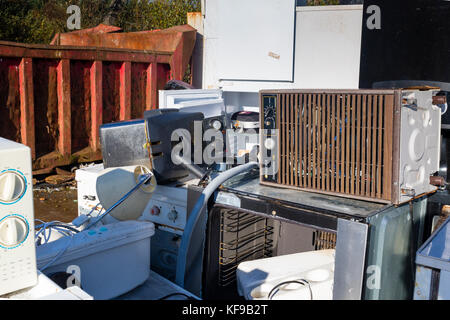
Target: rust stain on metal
[54,98]
[274,55]
[439,100]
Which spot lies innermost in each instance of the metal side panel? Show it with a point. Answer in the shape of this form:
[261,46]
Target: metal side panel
[444,286]
[393,241]
[350,258]
[422,287]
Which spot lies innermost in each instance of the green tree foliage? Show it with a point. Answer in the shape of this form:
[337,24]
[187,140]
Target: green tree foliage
[37,21]
[160,14]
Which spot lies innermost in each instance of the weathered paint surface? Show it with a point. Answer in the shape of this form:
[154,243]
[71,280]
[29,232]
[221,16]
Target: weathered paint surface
[54,98]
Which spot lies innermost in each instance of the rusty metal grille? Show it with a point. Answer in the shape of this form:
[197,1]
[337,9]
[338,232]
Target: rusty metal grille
[324,240]
[336,142]
[243,237]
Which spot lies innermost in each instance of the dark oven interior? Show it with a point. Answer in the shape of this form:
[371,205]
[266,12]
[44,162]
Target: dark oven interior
[235,236]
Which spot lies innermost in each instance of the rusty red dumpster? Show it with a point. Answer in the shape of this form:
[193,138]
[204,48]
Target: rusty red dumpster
[54,98]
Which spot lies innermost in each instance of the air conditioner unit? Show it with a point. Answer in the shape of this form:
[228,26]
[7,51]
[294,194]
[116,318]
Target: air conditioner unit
[17,249]
[378,145]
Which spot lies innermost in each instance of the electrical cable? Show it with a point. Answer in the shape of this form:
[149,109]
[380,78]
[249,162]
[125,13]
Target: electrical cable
[207,175]
[66,227]
[177,294]
[93,209]
[143,179]
[303,282]
[45,230]
[51,225]
[60,253]
[196,221]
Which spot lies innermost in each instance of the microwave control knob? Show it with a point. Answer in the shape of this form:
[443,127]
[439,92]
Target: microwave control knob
[12,186]
[13,231]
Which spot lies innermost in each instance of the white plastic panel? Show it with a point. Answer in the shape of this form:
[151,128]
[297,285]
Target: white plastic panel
[419,143]
[46,289]
[167,207]
[17,248]
[209,108]
[255,39]
[86,189]
[173,97]
[112,259]
[256,278]
[209,102]
[328,47]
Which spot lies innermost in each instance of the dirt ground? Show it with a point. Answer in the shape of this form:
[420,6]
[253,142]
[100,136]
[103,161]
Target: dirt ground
[55,203]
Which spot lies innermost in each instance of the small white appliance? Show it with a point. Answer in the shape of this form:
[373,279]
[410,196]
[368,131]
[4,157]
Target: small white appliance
[17,249]
[86,179]
[207,101]
[172,98]
[167,206]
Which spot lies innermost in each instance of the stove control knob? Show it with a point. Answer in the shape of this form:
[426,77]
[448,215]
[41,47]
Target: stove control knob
[155,211]
[173,215]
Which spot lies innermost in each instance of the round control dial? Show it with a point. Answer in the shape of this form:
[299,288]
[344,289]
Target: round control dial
[155,211]
[12,186]
[13,231]
[173,215]
[216,124]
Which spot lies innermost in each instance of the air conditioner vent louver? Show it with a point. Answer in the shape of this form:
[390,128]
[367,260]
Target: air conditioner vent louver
[340,142]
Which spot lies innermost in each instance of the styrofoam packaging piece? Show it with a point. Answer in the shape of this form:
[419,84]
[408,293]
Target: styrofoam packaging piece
[255,279]
[111,259]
